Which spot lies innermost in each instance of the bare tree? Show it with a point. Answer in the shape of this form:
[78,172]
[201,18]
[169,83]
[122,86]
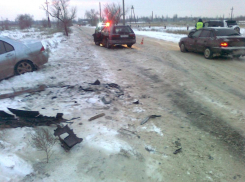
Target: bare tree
[113,12]
[24,21]
[92,15]
[60,10]
[44,140]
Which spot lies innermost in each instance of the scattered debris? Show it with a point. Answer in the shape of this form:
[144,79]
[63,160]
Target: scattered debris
[68,142]
[177,143]
[149,117]
[97,116]
[128,132]
[16,93]
[97,82]
[177,151]
[149,149]
[136,102]
[27,118]
[106,100]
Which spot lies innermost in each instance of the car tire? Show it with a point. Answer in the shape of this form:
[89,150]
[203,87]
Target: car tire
[129,45]
[107,44]
[208,53]
[237,29]
[182,47]
[24,67]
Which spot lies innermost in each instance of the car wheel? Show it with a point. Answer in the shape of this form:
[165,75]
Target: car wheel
[182,48]
[208,53]
[237,29]
[24,67]
[129,45]
[107,44]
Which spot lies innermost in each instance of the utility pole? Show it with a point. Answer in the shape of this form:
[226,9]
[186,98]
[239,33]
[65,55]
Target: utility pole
[100,12]
[152,16]
[123,14]
[231,12]
[49,25]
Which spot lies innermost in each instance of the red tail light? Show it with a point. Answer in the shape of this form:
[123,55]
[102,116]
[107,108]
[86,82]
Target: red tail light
[224,44]
[132,35]
[42,49]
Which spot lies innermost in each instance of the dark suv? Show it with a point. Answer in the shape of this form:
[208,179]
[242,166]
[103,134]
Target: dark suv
[115,35]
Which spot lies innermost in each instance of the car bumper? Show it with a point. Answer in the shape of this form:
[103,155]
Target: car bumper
[229,51]
[120,42]
[41,59]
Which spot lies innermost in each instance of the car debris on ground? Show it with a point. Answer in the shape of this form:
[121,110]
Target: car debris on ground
[71,140]
[22,118]
[149,117]
[97,116]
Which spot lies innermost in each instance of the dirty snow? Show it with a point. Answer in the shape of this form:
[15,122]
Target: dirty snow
[12,166]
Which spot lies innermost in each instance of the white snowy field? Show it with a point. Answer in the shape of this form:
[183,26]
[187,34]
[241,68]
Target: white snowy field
[161,32]
[65,67]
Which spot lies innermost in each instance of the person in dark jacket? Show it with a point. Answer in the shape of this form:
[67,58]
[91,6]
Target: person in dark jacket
[199,24]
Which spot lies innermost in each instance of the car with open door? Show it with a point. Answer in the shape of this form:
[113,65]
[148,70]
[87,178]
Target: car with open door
[116,35]
[215,41]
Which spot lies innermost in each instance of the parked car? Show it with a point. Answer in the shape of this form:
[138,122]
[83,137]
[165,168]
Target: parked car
[214,42]
[223,23]
[18,57]
[115,35]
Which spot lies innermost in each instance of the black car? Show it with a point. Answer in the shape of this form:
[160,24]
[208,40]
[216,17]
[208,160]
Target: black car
[115,35]
[214,42]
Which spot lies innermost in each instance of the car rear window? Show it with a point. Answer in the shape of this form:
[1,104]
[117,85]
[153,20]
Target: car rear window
[225,32]
[119,30]
[231,23]
[8,47]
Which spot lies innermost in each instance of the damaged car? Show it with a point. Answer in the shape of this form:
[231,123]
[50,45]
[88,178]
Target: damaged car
[19,57]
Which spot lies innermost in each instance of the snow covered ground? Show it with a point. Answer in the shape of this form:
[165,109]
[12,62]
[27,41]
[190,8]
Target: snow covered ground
[16,152]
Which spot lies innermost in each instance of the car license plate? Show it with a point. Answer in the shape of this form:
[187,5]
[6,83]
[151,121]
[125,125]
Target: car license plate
[124,35]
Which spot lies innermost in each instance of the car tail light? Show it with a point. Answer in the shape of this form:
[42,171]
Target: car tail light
[42,49]
[132,35]
[224,44]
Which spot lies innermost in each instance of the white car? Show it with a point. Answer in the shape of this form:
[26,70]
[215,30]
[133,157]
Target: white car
[18,57]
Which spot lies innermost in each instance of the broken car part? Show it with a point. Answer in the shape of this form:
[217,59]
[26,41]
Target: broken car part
[149,117]
[68,142]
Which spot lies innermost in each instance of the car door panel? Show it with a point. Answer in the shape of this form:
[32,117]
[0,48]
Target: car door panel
[7,60]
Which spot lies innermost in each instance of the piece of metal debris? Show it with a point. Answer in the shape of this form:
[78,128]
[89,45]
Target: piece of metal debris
[177,151]
[149,117]
[136,102]
[97,82]
[68,142]
[24,118]
[97,116]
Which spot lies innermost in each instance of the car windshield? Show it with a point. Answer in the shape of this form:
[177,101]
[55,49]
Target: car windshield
[122,29]
[225,32]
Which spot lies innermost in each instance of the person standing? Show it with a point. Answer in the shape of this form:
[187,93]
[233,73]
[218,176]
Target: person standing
[199,24]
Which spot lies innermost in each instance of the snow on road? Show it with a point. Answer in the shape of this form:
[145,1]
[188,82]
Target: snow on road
[63,68]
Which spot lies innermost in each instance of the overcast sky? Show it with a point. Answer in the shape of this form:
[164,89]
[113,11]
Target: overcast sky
[201,8]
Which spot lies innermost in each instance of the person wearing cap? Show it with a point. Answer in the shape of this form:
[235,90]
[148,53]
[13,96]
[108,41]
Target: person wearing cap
[199,24]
